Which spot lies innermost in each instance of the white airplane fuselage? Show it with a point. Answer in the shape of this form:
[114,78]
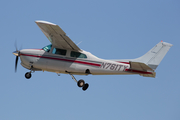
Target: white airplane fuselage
[47,61]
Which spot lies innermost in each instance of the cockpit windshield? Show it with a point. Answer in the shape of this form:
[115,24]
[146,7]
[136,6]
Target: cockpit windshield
[47,48]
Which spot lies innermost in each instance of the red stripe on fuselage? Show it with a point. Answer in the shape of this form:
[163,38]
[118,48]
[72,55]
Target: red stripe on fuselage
[62,59]
[123,62]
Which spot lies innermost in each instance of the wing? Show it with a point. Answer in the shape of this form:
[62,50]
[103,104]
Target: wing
[57,36]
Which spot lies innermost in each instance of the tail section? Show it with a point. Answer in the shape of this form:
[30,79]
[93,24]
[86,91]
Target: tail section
[147,64]
[153,57]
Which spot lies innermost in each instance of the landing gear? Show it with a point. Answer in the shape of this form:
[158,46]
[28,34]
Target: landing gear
[28,75]
[80,83]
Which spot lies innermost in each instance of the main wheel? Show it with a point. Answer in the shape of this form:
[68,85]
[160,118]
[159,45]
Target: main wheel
[85,87]
[28,75]
[80,83]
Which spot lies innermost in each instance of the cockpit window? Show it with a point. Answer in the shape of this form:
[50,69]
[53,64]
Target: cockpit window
[59,51]
[47,48]
[78,55]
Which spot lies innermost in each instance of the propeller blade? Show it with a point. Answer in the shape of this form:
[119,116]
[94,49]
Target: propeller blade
[15,45]
[16,63]
[17,54]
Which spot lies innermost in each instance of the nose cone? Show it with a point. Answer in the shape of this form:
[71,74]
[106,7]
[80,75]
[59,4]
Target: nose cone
[16,53]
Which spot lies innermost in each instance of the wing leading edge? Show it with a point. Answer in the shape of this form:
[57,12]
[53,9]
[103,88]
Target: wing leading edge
[56,36]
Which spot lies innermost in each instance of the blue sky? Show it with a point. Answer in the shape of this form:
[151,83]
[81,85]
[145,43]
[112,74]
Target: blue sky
[108,29]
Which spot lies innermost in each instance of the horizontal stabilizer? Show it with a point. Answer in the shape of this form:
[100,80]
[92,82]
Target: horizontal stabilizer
[140,66]
[142,69]
[149,75]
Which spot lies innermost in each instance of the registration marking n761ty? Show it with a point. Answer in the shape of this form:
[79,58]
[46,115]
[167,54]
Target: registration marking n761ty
[113,66]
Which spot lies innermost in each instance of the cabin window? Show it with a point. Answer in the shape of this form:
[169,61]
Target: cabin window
[47,48]
[59,51]
[78,55]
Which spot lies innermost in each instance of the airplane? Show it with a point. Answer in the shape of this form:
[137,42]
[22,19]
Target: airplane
[64,56]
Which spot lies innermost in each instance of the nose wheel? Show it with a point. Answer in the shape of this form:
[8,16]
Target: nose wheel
[28,75]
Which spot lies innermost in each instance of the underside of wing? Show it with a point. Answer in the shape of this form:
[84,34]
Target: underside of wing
[57,36]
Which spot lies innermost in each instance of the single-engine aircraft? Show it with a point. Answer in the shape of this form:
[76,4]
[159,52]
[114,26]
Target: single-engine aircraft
[64,56]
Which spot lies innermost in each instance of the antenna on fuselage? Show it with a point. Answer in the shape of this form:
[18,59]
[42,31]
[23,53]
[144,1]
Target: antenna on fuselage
[79,43]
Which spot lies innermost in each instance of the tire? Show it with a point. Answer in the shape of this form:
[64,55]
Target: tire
[28,75]
[80,83]
[85,87]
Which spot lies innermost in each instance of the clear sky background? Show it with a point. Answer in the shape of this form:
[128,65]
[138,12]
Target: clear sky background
[111,29]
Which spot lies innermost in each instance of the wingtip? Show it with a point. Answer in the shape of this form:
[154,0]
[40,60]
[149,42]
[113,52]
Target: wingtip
[168,44]
[45,22]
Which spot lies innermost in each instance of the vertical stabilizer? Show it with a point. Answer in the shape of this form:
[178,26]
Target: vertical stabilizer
[153,57]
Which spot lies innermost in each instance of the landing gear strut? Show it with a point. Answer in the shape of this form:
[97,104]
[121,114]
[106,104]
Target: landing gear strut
[80,83]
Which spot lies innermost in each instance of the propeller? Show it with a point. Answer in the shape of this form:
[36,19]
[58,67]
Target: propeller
[17,54]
